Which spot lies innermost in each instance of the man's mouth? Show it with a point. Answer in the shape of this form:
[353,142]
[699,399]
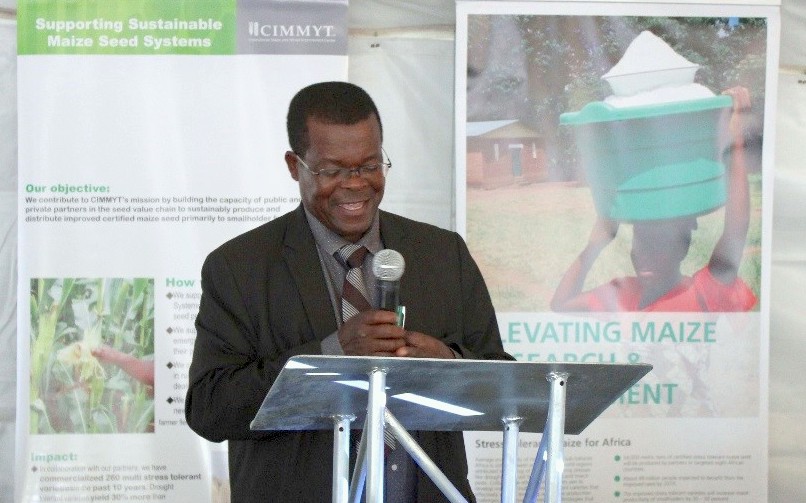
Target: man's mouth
[352,206]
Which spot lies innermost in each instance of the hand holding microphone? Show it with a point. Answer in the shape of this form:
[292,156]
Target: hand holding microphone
[376,332]
[388,267]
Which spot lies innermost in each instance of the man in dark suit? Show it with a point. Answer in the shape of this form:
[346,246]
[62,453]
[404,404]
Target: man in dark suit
[276,292]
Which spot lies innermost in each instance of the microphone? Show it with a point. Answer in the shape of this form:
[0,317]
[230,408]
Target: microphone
[388,266]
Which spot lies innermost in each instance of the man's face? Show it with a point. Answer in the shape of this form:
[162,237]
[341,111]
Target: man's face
[344,205]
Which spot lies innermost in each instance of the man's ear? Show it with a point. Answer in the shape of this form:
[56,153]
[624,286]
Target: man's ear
[291,162]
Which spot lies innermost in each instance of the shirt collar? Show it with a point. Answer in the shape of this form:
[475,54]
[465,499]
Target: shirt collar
[330,242]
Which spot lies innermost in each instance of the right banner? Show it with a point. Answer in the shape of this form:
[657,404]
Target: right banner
[614,184]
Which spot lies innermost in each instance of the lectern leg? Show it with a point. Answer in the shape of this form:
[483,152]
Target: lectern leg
[374,435]
[423,461]
[550,456]
[341,457]
[360,469]
[509,475]
[556,429]
[538,469]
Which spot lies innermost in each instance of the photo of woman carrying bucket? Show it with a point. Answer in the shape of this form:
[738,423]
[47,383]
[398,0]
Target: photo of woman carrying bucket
[662,233]
[637,147]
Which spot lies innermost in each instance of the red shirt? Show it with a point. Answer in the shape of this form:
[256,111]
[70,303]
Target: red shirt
[700,293]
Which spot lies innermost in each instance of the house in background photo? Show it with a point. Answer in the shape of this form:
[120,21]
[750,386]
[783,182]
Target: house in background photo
[503,152]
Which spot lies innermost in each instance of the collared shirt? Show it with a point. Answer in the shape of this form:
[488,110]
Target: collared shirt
[401,478]
[327,244]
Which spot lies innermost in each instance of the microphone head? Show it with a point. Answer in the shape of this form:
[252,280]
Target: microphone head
[388,265]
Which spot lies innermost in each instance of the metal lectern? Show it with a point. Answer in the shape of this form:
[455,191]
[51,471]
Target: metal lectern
[400,394]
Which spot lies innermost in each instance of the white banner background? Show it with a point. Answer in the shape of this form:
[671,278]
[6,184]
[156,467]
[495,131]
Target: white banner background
[719,446]
[169,153]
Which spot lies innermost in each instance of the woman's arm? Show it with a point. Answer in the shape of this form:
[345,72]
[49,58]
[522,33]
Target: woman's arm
[727,254]
[567,295]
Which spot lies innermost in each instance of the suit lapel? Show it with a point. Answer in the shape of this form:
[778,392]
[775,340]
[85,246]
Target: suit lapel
[301,257]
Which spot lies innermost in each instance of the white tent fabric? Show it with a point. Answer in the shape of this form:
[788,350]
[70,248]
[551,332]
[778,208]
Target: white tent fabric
[787,388]
[8,249]
[412,83]
[402,52]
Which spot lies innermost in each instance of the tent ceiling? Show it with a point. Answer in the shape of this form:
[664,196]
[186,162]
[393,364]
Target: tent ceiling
[386,14]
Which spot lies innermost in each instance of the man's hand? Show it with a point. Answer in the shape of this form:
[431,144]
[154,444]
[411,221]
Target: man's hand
[372,333]
[375,333]
[142,370]
[420,345]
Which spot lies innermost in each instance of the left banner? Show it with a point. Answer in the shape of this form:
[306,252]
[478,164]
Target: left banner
[149,133]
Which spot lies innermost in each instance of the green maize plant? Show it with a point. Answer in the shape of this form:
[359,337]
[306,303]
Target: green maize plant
[92,347]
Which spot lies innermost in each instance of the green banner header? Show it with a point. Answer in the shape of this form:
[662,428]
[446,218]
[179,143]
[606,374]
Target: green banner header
[126,27]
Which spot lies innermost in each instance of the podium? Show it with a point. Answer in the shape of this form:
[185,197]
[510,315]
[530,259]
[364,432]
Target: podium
[401,394]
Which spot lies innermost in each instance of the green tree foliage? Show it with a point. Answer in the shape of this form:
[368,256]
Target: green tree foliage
[535,67]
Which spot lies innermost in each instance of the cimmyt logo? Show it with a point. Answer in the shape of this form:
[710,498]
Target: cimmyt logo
[291,31]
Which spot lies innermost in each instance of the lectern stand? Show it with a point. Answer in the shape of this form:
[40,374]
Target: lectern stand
[346,392]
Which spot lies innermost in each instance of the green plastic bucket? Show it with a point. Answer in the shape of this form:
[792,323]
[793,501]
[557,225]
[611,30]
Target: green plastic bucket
[652,162]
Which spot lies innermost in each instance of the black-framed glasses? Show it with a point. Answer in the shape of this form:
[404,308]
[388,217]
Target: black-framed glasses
[337,173]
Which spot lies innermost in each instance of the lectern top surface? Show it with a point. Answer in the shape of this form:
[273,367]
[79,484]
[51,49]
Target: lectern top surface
[440,395]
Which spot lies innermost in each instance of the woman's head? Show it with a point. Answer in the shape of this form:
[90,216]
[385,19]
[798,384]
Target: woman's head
[659,246]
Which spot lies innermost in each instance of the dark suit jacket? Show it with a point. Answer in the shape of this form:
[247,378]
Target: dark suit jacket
[264,300]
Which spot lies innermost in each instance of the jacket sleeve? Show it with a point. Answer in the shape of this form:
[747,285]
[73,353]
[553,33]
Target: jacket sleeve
[235,359]
[481,338]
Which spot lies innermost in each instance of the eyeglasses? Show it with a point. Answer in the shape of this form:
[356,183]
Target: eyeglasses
[365,171]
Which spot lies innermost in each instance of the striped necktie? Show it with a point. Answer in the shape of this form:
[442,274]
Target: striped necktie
[354,298]
[354,292]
